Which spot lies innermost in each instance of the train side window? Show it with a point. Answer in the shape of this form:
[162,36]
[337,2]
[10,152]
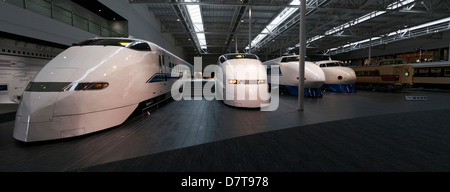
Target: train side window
[376,73]
[159,56]
[447,72]
[359,73]
[435,72]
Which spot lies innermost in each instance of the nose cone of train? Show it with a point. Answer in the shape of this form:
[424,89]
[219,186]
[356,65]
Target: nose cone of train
[314,76]
[35,110]
[349,75]
[35,114]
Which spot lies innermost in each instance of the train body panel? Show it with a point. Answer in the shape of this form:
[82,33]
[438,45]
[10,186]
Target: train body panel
[244,81]
[92,87]
[338,78]
[289,74]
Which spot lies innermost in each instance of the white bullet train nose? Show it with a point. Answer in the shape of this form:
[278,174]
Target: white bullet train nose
[36,108]
[348,74]
[314,76]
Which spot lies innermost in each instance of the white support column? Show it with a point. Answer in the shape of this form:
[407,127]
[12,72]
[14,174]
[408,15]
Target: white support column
[249,29]
[302,53]
[370,50]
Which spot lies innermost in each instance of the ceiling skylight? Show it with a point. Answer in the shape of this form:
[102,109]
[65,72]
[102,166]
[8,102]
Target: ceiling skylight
[398,32]
[361,19]
[286,13]
[356,21]
[197,21]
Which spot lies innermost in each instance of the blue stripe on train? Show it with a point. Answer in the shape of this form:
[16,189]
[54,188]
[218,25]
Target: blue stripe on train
[347,88]
[309,92]
[160,77]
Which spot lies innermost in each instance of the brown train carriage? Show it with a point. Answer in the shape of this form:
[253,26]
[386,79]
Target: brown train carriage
[432,75]
[388,75]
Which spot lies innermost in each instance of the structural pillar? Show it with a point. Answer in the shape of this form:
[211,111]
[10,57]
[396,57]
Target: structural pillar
[250,29]
[370,50]
[302,53]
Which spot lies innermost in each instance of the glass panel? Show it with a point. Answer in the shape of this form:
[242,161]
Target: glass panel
[62,15]
[16,2]
[94,28]
[80,22]
[40,6]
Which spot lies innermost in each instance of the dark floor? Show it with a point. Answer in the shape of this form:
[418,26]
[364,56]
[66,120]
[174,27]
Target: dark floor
[377,143]
[337,128]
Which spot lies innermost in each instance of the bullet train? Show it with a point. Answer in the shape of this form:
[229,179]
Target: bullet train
[338,78]
[289,75]
[94,85]
[244,80]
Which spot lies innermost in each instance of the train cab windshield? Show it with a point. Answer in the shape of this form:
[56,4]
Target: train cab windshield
[128,43]
[224,58]
[332,64]
[291,59]
[241,56]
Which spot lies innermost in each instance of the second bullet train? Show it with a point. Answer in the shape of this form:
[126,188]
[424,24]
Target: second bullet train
[95,85]
[244,80]
[337,77]
[289,75]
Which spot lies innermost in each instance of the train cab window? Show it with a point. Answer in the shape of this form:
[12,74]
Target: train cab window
[323,65]
[222,59]
[290,59]
[140,46]
[334,64]
[241,56]
[129,43]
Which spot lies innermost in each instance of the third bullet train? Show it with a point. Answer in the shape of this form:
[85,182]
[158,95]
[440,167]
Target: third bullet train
[95,85]
[337,77]
[289,75]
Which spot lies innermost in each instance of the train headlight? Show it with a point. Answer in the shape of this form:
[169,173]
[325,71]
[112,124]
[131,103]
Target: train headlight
[233,81]
[407,74]
[87,86]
